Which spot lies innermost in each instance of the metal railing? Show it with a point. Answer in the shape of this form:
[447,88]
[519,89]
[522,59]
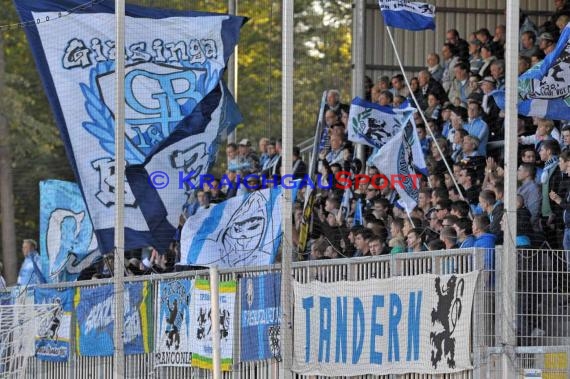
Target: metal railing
[542,316]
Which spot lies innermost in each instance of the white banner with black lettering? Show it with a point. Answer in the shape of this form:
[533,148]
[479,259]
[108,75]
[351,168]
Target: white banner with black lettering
[417,324]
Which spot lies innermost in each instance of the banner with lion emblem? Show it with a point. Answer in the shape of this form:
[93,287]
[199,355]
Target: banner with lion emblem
[419,324]
[544,89]
[201,338]
[260,300]
[374,125]
[172,342]
[52,340]
[174,59]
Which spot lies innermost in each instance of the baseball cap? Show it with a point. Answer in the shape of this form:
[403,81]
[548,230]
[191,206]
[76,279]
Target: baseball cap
[546,36]
[488,79]
[244,142]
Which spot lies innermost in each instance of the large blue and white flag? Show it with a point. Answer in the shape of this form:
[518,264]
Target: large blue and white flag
[54,331]
[242,231]
[405,14]
[165,182]
[260,317]
[174,59]
[67,241]
[402,161]
[374,125]
[544,90]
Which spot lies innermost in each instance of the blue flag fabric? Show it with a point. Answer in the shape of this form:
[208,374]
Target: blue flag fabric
[173,60]
[260,317]
[358,217]
[374,125]
[54,331]
[405,14]
[94,325]
[67,241]
[544,90]
[242,231]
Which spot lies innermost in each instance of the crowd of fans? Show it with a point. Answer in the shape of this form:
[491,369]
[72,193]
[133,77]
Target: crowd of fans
[453,92]
[458,207]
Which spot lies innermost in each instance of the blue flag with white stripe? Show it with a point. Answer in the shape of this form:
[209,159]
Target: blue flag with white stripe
[260,317]
[373,124]
[544,90]
[67,240]
[405,14]
[173,60]
[242,231]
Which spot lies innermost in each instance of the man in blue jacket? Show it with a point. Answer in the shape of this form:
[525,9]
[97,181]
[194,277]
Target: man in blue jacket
[485,241]
[30,273]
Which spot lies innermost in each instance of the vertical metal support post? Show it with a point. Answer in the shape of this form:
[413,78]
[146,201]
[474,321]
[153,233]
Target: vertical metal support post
[233,69]
[287,206]
[215,306]
[118,279]
[509,262]
[358,56]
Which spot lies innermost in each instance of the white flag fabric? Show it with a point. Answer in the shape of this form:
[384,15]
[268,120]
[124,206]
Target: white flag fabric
[374,125]
[402,160]
[242,231]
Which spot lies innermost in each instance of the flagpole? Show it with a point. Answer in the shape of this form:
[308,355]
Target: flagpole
[508,261]
[422,114]
[118,279]
[287,205]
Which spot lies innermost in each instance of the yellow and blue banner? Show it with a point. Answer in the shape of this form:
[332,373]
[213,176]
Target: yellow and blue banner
[201,340]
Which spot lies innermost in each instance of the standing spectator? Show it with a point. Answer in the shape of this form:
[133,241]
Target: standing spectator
[449,237]
[450,59]
[488,55]
[232,154]
[459,87]
[550,180]
[475,59]
[429,85]
[415,240]
[30,273]
[477,127]
[299,166]
[433,66]
[462,47]
[273,163]
[463,229]
[546,43]
[494,210]
[334,104]
[263,141]
[498,73]
[528,44]
[399,86]
[562,199]
[248,160]
[484,240]
[530,192]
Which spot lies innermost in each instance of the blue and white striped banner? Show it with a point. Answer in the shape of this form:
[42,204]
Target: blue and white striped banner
[242,231]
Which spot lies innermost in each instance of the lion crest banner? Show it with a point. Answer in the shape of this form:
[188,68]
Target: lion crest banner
[401,325]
